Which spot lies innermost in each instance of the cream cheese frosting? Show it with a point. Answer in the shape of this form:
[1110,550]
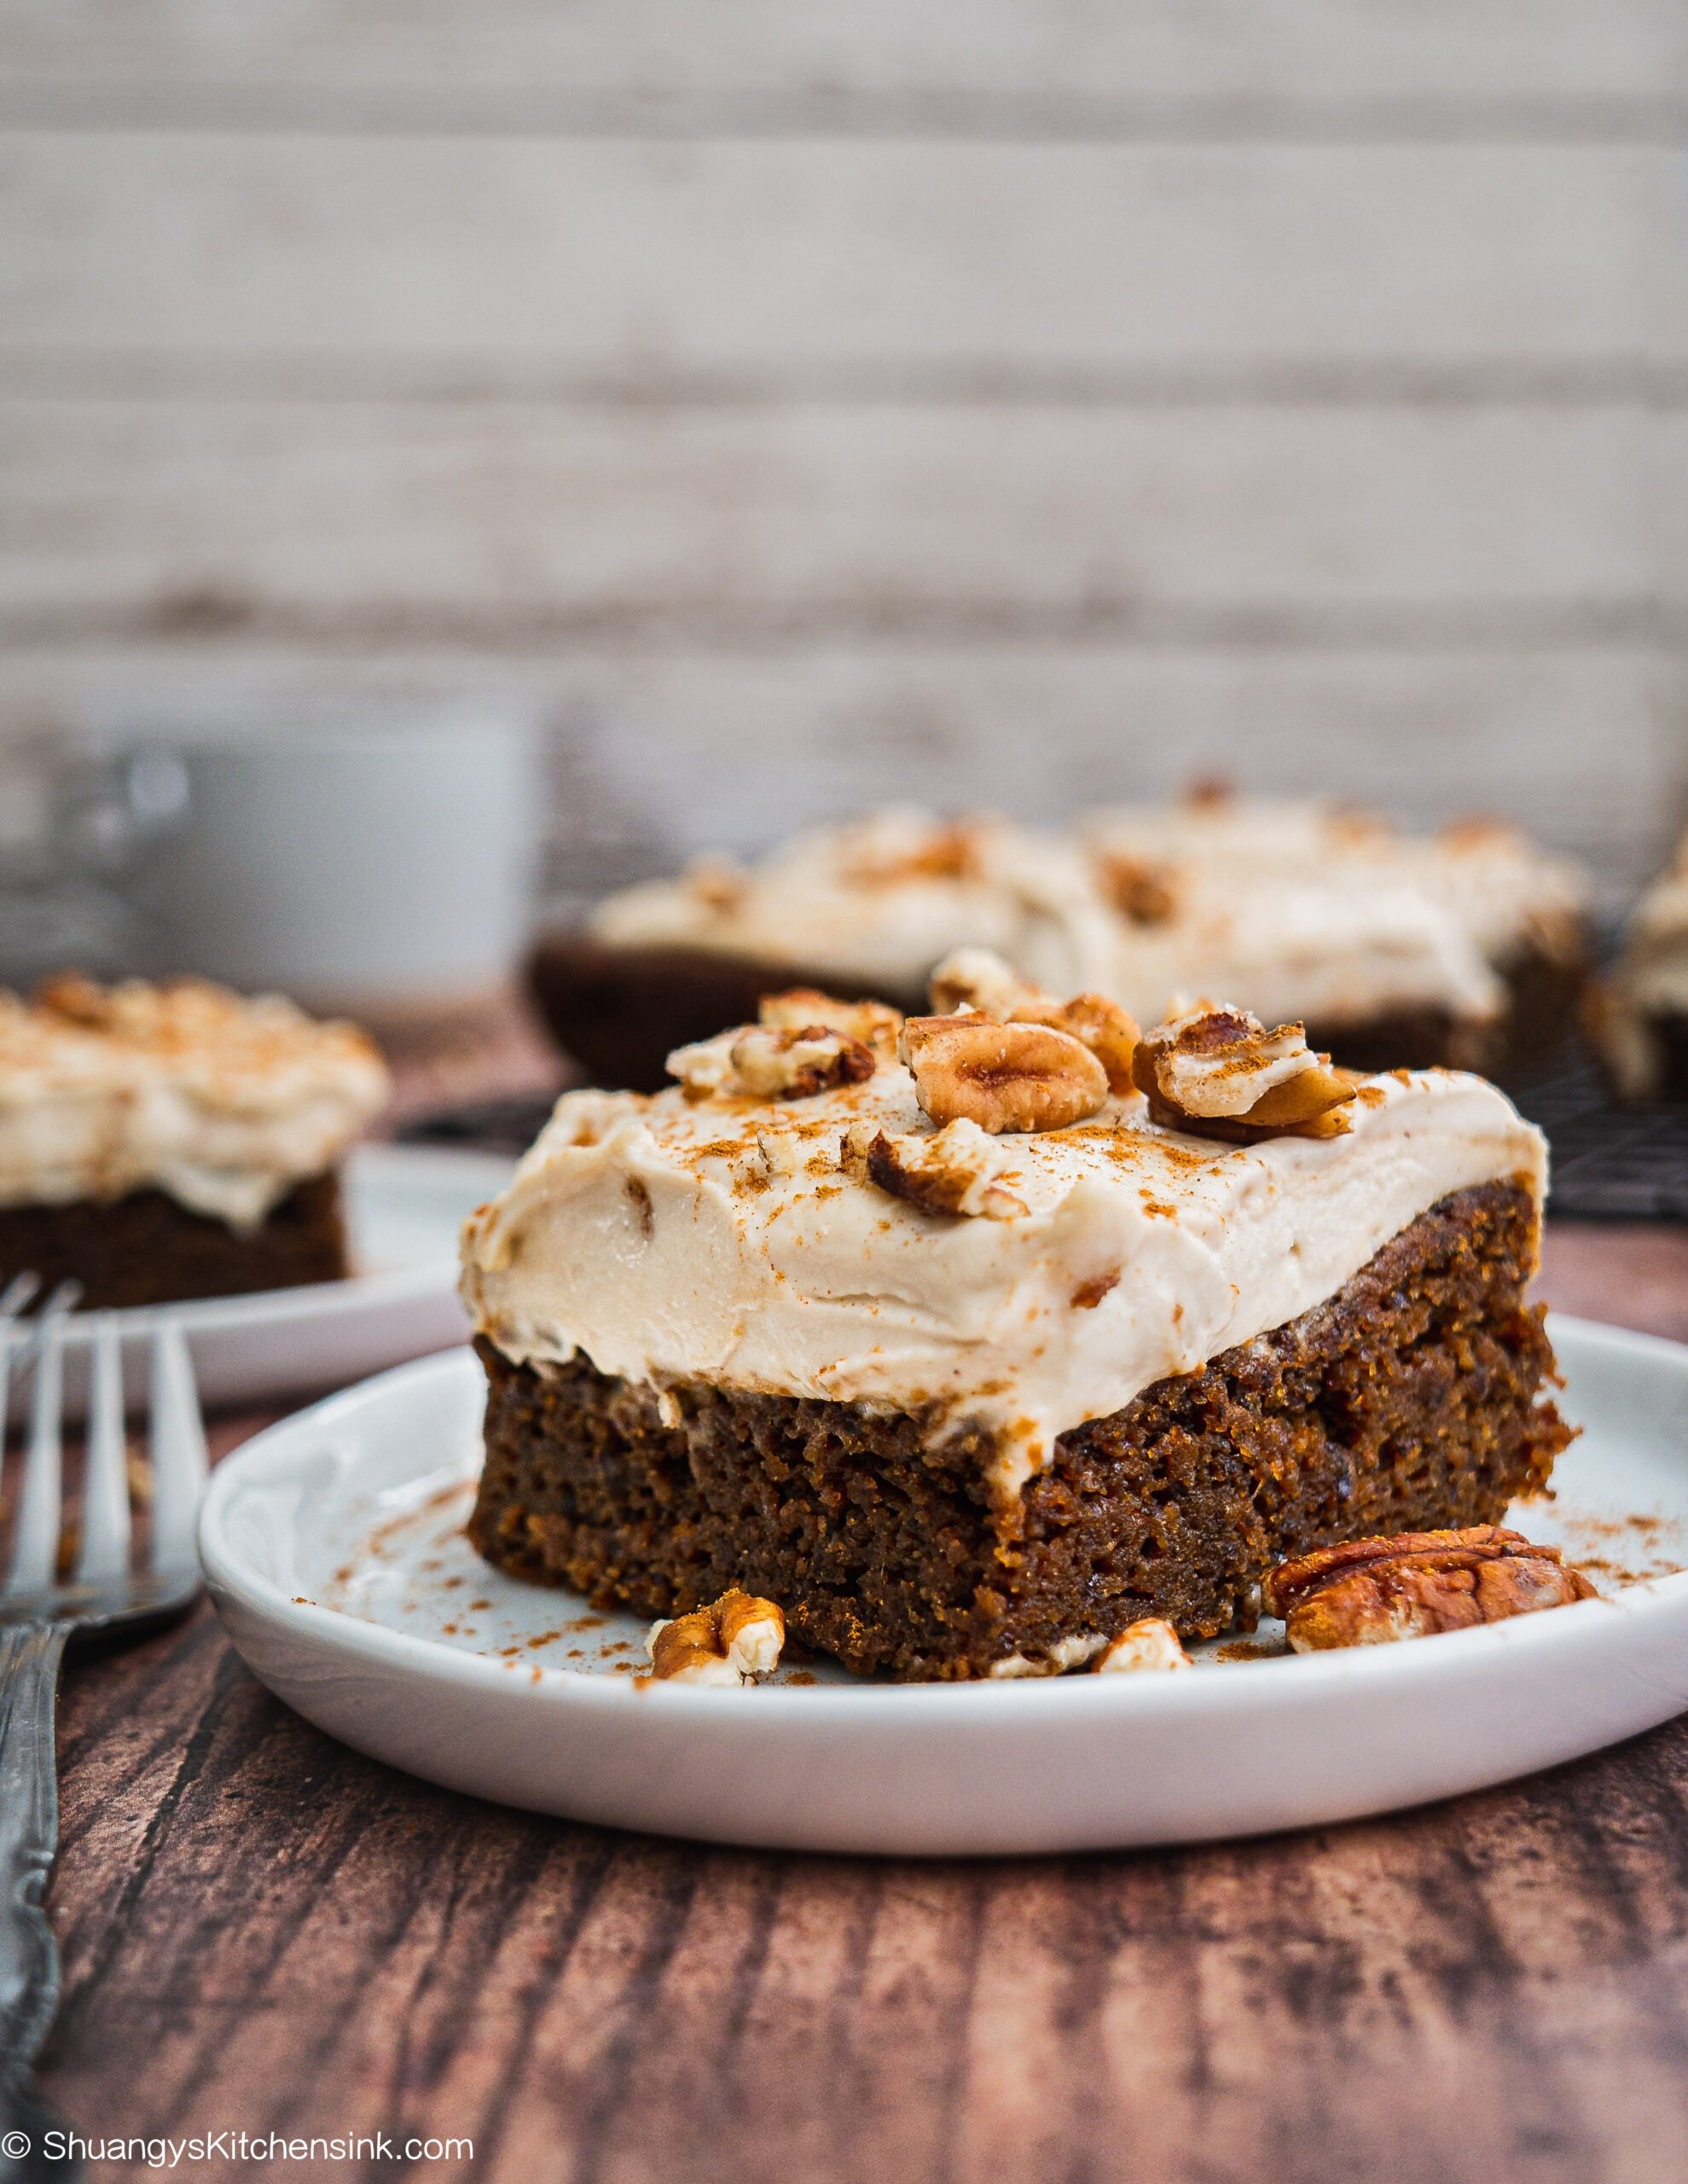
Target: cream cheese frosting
[1309,908]
[221,1102]
[1648,981]
[878,901]
[1497,889]
[1315,947]
[720,1240]
[1291,908]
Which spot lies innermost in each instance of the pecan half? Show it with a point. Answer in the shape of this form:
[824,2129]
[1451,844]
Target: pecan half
[976,980]
[759,1062]
[733,1641]
[954,1171]
[1220,1074]
[1369,1592]
[1095,1022]
[1003,1076]
[1151,1644]
[869,1023]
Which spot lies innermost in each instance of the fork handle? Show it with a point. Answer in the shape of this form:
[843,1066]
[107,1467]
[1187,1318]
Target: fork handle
[30,1653]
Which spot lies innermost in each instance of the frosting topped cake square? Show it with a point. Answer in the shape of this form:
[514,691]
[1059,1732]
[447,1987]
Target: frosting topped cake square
[1029,1280]
[175,1140]
[1462,946]
[984,1235]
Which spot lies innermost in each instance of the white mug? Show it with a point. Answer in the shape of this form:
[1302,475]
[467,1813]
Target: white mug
[362,862]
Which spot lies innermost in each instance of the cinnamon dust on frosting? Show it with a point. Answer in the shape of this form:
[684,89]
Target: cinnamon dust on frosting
[224,1103]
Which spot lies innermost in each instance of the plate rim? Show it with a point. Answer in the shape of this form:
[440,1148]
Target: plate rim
[1296,1676]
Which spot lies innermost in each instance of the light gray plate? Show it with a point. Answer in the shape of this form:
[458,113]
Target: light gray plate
[333,1546]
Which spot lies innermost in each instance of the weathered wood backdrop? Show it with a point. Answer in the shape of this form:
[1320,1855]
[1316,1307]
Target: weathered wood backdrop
[1007,400]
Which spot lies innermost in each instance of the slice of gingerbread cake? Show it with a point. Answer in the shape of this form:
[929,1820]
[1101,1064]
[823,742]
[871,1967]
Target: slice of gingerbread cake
[974,1339]
[159,1143]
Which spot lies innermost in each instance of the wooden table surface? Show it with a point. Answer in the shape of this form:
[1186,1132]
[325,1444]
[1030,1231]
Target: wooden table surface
[262,1931]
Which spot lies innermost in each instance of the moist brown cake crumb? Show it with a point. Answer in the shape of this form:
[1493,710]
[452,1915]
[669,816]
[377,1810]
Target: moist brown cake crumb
[149,1249]
[1413,1399]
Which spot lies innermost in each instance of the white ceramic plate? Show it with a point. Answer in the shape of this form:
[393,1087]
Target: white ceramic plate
[333,1547]
[404,1206]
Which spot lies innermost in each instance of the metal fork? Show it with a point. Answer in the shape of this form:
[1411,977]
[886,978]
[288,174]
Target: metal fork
[40,1612]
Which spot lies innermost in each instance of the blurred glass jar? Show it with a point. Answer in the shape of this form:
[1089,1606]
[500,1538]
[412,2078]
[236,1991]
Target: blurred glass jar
[58,904]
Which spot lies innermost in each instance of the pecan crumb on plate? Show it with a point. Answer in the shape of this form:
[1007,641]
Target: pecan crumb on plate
[1150,1644]
[732,1641]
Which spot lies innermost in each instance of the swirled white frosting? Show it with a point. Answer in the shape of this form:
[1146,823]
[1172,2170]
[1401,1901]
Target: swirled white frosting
[221,1102]
[670,1239]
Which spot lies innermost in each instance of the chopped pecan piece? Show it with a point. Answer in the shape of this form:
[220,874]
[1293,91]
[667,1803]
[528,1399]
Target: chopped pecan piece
[733,1641]
[587,1117]
[797,1063]
[718,884]
[977,977]
[1220,1074]
[1003,1076]
[1142,892]
[1479,830]
[869,1023]
[946,850]
[759,1062]
[1367,1592]
[1151,1644]
[954,1171]
[77,1000]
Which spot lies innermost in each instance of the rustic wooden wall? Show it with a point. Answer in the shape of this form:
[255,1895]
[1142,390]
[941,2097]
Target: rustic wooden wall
[1012,400]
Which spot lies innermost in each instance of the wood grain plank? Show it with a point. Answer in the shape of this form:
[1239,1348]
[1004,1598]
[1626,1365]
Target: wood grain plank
[663,747]
[1495,1987]
[265,1931]
[618,257]
[342,512]
[663,51]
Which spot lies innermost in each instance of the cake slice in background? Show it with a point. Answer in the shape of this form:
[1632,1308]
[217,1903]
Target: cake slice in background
[974,1339]
[866,908]
[174,1141]
[1464,949]
[1638,1013]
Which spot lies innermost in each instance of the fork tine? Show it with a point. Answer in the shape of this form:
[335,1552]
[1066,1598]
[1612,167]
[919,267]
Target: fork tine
[178,1451]
[105,1494]
[35,1554]
[16,1295]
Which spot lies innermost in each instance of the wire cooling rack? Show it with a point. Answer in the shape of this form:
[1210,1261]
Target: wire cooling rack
[488,1126]
[1609,1162]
